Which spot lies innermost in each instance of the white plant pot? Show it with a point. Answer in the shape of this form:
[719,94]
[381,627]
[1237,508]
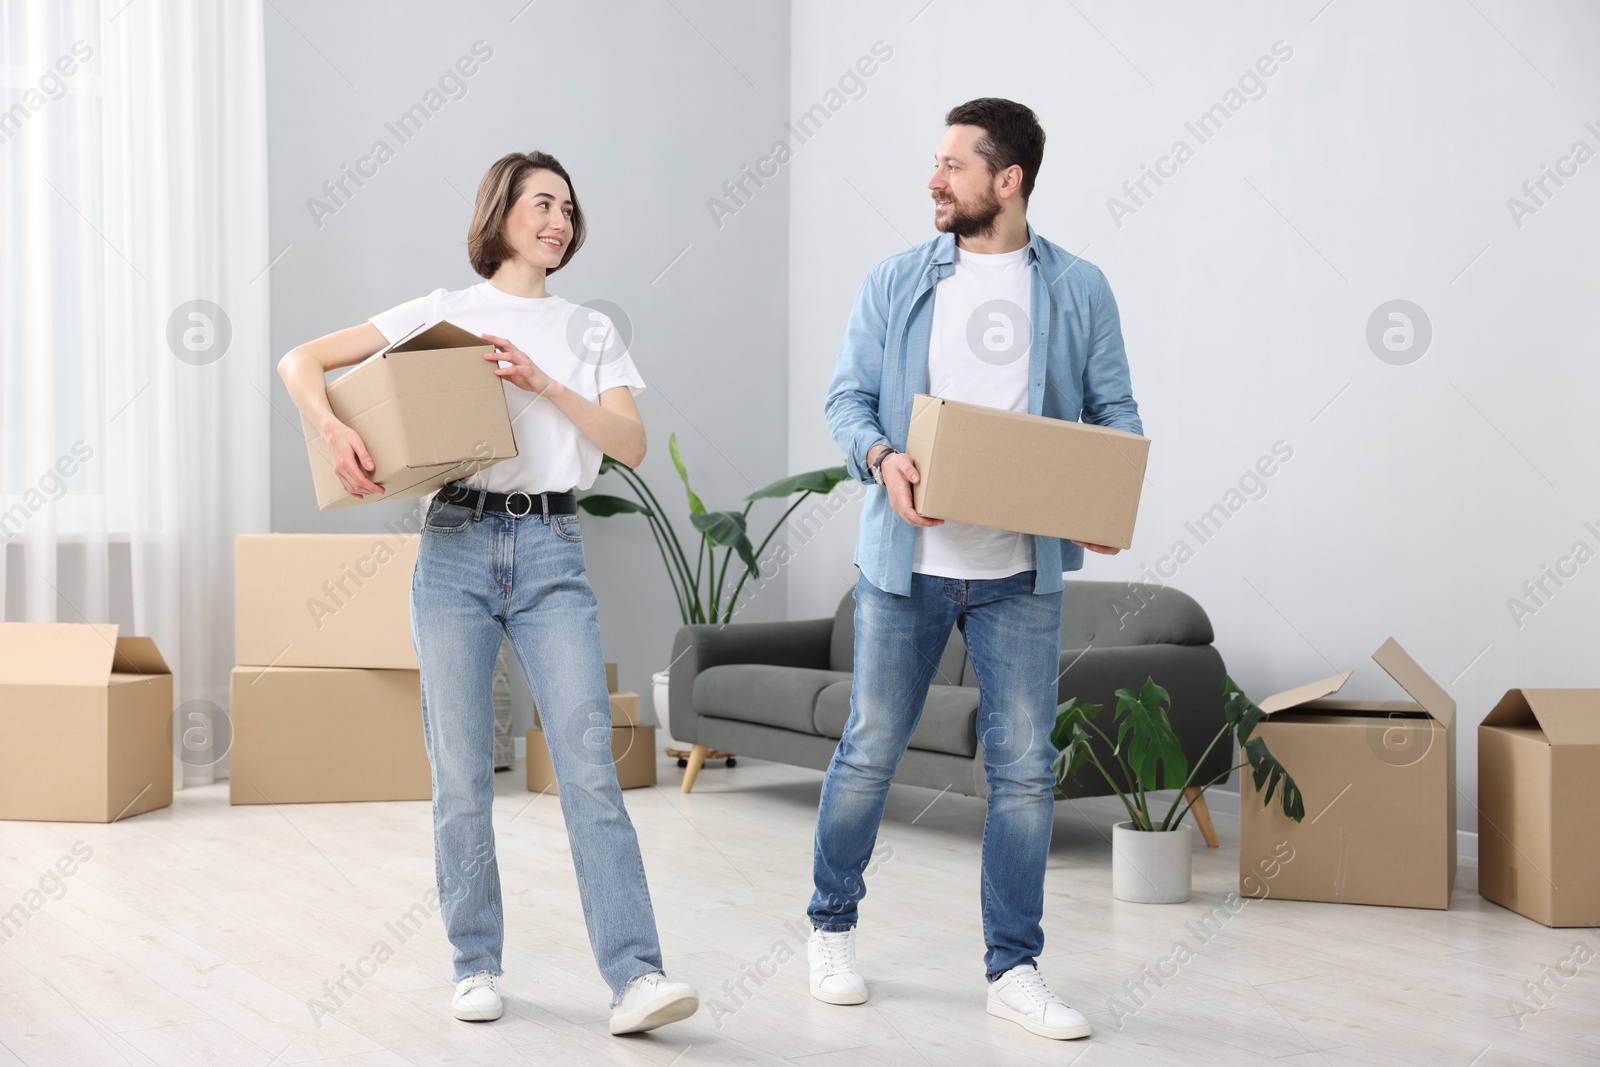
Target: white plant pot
[1151,866]
[658,696]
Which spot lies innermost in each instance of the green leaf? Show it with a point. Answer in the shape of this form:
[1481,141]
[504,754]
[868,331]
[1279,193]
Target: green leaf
[1072,740]
[821,481]
[1068,716]
[1154,751]
[726,528]
[1265,769]
[602,505]
[1243,717]
[607,464]
[695,507]
[1242,714]
[1249,720]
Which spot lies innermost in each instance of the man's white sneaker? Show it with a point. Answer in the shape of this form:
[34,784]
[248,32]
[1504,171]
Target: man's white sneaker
[477,998]
[1021,996]
[652,1001]
[834,977]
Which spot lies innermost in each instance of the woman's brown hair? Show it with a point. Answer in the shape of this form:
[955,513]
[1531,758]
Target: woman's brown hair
[501,186]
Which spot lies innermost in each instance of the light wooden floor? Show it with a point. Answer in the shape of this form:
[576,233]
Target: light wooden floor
[198,934]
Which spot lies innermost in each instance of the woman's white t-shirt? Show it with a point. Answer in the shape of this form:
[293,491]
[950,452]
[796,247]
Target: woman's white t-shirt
[576,345]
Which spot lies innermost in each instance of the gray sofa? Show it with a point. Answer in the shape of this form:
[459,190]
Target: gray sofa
[781,690]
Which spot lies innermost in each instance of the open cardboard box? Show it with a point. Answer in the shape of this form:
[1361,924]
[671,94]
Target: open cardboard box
[1538,795]
[430,410]
[1378,778]
[1026,473]
[324,600]
[85,723]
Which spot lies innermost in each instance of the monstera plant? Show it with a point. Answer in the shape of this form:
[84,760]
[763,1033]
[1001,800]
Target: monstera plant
[1148,756]
[702,588]
[1149,866]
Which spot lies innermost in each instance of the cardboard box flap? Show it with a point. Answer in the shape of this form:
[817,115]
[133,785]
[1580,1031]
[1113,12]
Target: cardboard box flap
[1302,694]
[1513,710]
[1415,681]
[442,334]
[1567,716]
[924,420]
[53,653]
[138,655]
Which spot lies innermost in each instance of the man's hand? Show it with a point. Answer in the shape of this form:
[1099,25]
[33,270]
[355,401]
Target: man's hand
[899,475]
[1102,549]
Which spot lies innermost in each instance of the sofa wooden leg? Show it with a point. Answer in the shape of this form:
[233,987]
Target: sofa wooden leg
[697,757]
[1201,813]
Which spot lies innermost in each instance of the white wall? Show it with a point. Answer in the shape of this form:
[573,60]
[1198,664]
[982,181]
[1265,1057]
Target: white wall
[651,107]
[1377,166]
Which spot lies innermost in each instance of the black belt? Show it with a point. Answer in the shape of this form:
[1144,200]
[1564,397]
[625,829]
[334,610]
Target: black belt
[517,505]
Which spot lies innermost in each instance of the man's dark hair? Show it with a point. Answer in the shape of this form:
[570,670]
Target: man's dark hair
[1011,135]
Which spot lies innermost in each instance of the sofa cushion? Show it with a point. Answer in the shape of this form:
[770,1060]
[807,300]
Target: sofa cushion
[949,718]
[784,697]
[1125,614]
[841,648]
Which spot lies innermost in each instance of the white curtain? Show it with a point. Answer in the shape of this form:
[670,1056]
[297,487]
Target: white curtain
[134,277]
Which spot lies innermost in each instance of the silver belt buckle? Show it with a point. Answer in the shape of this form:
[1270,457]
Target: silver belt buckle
[519,514]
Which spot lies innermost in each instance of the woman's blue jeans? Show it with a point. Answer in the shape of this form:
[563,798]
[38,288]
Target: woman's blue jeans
[480,575]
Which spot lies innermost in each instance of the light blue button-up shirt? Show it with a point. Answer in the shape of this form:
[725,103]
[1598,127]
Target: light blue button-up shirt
[1077,370]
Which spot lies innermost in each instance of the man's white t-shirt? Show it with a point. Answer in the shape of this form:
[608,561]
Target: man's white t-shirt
[576,345]
[978,354]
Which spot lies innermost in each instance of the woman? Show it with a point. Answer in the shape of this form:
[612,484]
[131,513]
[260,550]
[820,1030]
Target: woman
[500,553]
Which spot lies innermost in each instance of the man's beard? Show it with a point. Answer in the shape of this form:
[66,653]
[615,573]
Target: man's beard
[971,220]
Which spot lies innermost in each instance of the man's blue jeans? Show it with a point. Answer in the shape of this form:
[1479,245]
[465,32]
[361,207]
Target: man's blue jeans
[1013,637]
[478,576]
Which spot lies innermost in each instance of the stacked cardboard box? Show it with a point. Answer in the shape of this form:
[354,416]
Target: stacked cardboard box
[85,723]
[326,697]
[633,743]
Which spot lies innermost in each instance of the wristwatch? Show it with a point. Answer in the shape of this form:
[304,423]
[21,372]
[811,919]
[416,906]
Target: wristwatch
[875,468]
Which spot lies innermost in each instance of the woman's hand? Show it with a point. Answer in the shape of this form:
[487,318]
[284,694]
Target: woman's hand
[524,373]
[351,462]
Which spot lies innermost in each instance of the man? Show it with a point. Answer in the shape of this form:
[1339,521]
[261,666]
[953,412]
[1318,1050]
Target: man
[989,313]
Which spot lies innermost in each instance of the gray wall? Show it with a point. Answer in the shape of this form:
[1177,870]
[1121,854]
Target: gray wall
[1378,165]
[651,107]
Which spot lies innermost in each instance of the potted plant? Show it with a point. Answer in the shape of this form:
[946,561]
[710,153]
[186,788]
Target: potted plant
[1151,858]
[702,590]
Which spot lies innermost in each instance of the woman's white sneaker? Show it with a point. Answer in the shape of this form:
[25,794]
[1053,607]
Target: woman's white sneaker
[477,998]
[834,977]
[652,1001]
[1021,996]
